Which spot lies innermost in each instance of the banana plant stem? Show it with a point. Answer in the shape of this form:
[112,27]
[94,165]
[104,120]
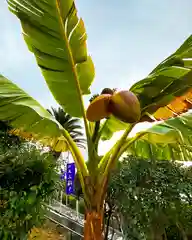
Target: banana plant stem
[107,163]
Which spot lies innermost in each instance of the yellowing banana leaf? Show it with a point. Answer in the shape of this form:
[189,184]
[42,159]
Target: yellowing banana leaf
[57,37]
[174,108]
[166,92]
[28,118]
[170,140]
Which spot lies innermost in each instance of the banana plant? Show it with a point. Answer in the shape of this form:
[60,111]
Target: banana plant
[57,37]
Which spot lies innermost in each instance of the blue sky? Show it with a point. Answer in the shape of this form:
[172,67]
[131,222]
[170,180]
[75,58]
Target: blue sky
[126,39]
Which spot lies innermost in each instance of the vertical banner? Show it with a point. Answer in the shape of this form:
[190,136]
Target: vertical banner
[70,177]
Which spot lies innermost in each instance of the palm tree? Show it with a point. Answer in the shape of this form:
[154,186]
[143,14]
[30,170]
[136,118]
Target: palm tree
[71,124]
[57,38]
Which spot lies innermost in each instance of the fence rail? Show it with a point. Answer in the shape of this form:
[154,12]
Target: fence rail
[69,219]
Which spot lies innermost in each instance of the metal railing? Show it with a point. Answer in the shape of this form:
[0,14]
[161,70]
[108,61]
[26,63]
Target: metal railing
[70,220]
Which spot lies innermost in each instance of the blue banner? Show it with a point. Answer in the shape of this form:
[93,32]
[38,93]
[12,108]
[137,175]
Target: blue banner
[70,177]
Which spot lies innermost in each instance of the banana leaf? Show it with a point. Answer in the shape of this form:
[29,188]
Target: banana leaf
[169,140]
[109,125]
[28,118]
[168,88]
[166,92]
[57,37]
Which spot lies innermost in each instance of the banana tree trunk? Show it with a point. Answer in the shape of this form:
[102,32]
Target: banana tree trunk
[93,225]
[94,201]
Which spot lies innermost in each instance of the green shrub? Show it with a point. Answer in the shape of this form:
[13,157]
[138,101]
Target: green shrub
[27,180]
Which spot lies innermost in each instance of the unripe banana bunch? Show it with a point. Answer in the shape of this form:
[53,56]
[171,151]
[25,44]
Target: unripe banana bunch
[124,105]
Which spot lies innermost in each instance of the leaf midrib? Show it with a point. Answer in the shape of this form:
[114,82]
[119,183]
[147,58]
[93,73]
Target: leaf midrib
[72,63]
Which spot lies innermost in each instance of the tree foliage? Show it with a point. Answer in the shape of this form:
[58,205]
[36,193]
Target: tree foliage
[27,180]
[7,140]
[149,198]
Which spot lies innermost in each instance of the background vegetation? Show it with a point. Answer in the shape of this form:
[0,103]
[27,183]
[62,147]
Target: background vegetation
[151,199]
[27,180]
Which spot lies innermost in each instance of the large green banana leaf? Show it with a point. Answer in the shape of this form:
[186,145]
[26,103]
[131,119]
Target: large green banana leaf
[167,90]
[148,150]
[28,118]
[57,37]
[171,139]
[169,80]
